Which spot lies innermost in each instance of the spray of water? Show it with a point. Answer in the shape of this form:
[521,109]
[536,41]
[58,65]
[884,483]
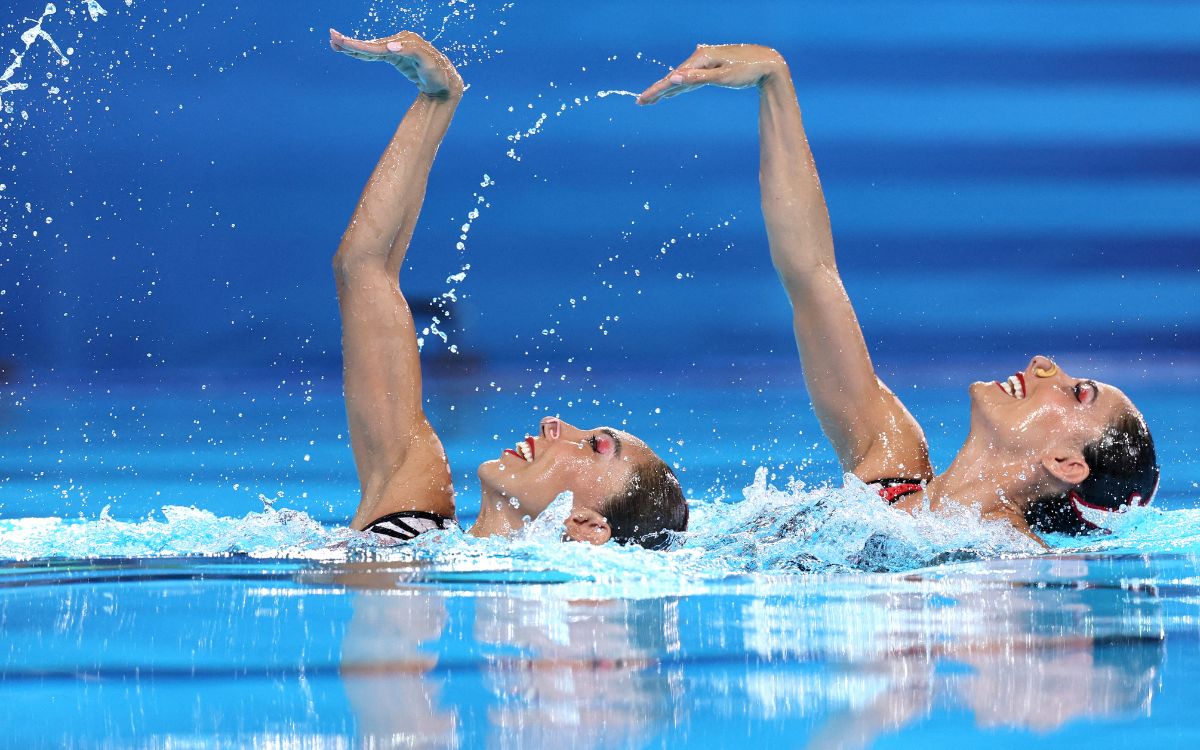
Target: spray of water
[772,529]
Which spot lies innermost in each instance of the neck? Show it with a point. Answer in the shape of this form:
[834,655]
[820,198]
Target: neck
[1002,491]
[497,516]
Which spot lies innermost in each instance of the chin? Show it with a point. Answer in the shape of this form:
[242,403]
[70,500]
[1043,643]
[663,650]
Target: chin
[981,404]
[976,391]
[491,476]
[978,388]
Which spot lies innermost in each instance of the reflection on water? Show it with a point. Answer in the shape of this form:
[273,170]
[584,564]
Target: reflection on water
[590,675]
[1026,645]
[578,673]
[382,654]
[1014,655]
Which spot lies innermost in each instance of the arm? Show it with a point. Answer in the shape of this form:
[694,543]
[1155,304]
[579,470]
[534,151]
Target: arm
[400,461]
[871,431]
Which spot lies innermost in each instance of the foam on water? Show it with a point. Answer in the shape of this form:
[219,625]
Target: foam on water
[1144,530]
[181,531]
[846,528]
[823,529]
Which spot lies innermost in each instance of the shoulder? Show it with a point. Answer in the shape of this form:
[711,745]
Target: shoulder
[421,482]
[899,449]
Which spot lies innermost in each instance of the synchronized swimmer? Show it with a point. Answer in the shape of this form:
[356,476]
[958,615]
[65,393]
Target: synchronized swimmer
[1045,451]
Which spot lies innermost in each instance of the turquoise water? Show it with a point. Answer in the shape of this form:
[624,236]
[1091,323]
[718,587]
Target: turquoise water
[1043,652]
[210,596]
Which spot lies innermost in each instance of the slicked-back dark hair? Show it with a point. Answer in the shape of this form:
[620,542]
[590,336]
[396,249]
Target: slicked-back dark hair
[650,505]
[1122,467]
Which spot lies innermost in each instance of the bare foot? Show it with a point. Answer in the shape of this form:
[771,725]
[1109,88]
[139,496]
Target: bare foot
[417,59]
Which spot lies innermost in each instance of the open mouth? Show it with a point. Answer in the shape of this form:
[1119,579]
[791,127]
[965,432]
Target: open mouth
[1014,386]
[523,450]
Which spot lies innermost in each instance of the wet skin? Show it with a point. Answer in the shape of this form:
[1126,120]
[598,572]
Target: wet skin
[400,460]
[593,465]
[1017,450]
[1058,415]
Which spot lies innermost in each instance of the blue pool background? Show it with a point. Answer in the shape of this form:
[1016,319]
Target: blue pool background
[1004,178]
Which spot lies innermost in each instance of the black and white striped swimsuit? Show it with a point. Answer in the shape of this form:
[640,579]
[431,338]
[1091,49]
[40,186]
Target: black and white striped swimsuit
[410,524]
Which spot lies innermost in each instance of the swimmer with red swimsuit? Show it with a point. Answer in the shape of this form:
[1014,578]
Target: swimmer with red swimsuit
[1043,446]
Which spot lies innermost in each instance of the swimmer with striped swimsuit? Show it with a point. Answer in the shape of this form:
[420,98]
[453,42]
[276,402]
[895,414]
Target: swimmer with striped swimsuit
[621,489]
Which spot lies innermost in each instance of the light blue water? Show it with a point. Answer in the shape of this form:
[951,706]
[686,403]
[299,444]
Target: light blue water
[207,618]
[1044,652]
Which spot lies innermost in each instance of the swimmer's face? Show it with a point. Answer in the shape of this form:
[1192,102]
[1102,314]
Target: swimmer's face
[1042,413]
[593,464]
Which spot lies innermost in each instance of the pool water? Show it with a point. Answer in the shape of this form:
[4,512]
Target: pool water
[175,571]
[236,652]
[218,611]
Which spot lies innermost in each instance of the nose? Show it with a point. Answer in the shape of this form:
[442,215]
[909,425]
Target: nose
[1043,367]
[551,427]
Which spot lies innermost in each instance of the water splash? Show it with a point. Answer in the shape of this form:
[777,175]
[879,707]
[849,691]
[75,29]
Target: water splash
[792,529]
[182,531]
[447,298]
[840,529]
[28,38]
[611,268]
[564,106]
[694,234]
[471,30]
[647,58]
[1145,529]
[95,10]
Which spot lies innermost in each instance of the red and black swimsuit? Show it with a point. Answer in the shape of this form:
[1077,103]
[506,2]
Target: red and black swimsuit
[892,489]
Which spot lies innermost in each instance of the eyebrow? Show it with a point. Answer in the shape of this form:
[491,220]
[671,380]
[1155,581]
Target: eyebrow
[616,439]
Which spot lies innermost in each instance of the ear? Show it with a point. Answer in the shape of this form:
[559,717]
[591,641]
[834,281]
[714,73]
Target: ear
[600,532]
[588,526]
[1067,466]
